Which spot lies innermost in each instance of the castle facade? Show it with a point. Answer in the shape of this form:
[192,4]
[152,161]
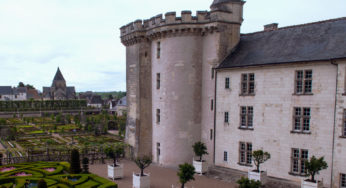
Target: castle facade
[197,78]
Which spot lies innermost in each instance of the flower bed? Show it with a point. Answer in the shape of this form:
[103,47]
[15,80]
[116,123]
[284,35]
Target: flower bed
[54,173]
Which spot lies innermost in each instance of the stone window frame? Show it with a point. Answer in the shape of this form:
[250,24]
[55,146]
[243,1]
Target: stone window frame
[247,84]
[245,153]
[227,83]
[226,117]
[246,117]
[158,116]
[342,180]
[225,156]
[303,82]
[158,50]
[158,80]
[301,120]
[298,158]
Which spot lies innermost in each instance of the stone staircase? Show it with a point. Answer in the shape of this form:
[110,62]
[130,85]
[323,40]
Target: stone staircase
[232,175]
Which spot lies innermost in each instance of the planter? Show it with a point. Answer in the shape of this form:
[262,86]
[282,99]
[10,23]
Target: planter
[201,167]
[309,184]
[258,176]
[116,172]
[140,181]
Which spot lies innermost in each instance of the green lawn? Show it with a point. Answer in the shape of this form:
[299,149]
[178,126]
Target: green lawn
[57,177]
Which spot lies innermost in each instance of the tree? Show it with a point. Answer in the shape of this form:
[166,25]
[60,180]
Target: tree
[186,173]
[200,149]
[246,183]
[142,163]
[85,162]
[260,157]
[21,84]
[75,162]
[314,166]
[41,184]
[114,152]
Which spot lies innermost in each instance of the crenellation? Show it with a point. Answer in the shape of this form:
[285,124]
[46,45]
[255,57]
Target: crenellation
[201,16]
[186,16]
[170,17]
[138,25]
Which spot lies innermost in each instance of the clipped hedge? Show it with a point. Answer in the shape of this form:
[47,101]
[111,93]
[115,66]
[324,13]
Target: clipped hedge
[57,178]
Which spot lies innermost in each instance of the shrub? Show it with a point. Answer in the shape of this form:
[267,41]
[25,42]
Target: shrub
[142,163]
[260,157]
[246,183]
[314,166]
[75,162]
[41,184]
[85,165]
[114,152]
[200,149]
[185,173]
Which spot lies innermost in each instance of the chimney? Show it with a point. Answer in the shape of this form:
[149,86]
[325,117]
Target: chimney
[271,27]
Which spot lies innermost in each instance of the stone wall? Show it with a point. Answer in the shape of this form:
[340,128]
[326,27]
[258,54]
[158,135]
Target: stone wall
[273,106]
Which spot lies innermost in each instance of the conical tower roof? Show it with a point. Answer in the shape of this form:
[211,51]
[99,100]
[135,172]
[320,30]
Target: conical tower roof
[58,76]
[215,2]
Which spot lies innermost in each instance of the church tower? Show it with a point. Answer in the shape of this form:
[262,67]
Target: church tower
[59,86]
[170,78]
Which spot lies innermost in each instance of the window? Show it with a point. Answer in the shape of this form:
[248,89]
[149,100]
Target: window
[212,104]
[211,134]
[158,50]
[158,80]
[344,125]
[342,180]
[212,73]
[248,84]
[225,156]
[227,83]
[245,153]
[301,119]
[246,117]
[158,150]
[226,117]
[303,82]
[298,158]
[158,116]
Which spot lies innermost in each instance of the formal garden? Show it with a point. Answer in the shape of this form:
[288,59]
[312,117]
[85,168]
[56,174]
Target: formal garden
[58,133]
[54,174]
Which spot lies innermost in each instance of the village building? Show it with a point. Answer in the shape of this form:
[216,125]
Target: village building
[197,78]
[58,90]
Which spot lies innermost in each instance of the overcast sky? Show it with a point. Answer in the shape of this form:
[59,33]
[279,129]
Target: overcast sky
[82,36]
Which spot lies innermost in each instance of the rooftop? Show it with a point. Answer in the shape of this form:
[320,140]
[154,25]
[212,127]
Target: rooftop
[316,41]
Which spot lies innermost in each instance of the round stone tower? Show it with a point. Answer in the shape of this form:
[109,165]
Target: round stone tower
[170,79]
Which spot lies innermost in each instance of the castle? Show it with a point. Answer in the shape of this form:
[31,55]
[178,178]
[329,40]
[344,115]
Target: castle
[197,78]
[58,90]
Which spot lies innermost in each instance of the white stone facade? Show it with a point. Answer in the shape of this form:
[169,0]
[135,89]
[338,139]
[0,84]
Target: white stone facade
[177,96]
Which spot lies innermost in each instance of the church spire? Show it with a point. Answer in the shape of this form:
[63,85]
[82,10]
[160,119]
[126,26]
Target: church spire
[58,76]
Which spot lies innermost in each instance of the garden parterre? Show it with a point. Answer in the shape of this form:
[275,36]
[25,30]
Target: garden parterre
[54,173]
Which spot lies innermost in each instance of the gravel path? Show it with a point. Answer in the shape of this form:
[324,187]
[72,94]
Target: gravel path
[160,177]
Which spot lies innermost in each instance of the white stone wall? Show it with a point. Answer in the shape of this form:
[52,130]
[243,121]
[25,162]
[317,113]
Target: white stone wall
[273,105]
[178,98]
[340,142]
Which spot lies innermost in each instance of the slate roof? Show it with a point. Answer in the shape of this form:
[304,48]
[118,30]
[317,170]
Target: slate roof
[58,76]
[317,41]
[6,90]
[18,90]
[122,102]
[215,2]
[96,99]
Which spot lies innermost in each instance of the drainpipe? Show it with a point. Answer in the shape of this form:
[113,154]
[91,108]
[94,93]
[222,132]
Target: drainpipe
[215,115]
[334,127]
